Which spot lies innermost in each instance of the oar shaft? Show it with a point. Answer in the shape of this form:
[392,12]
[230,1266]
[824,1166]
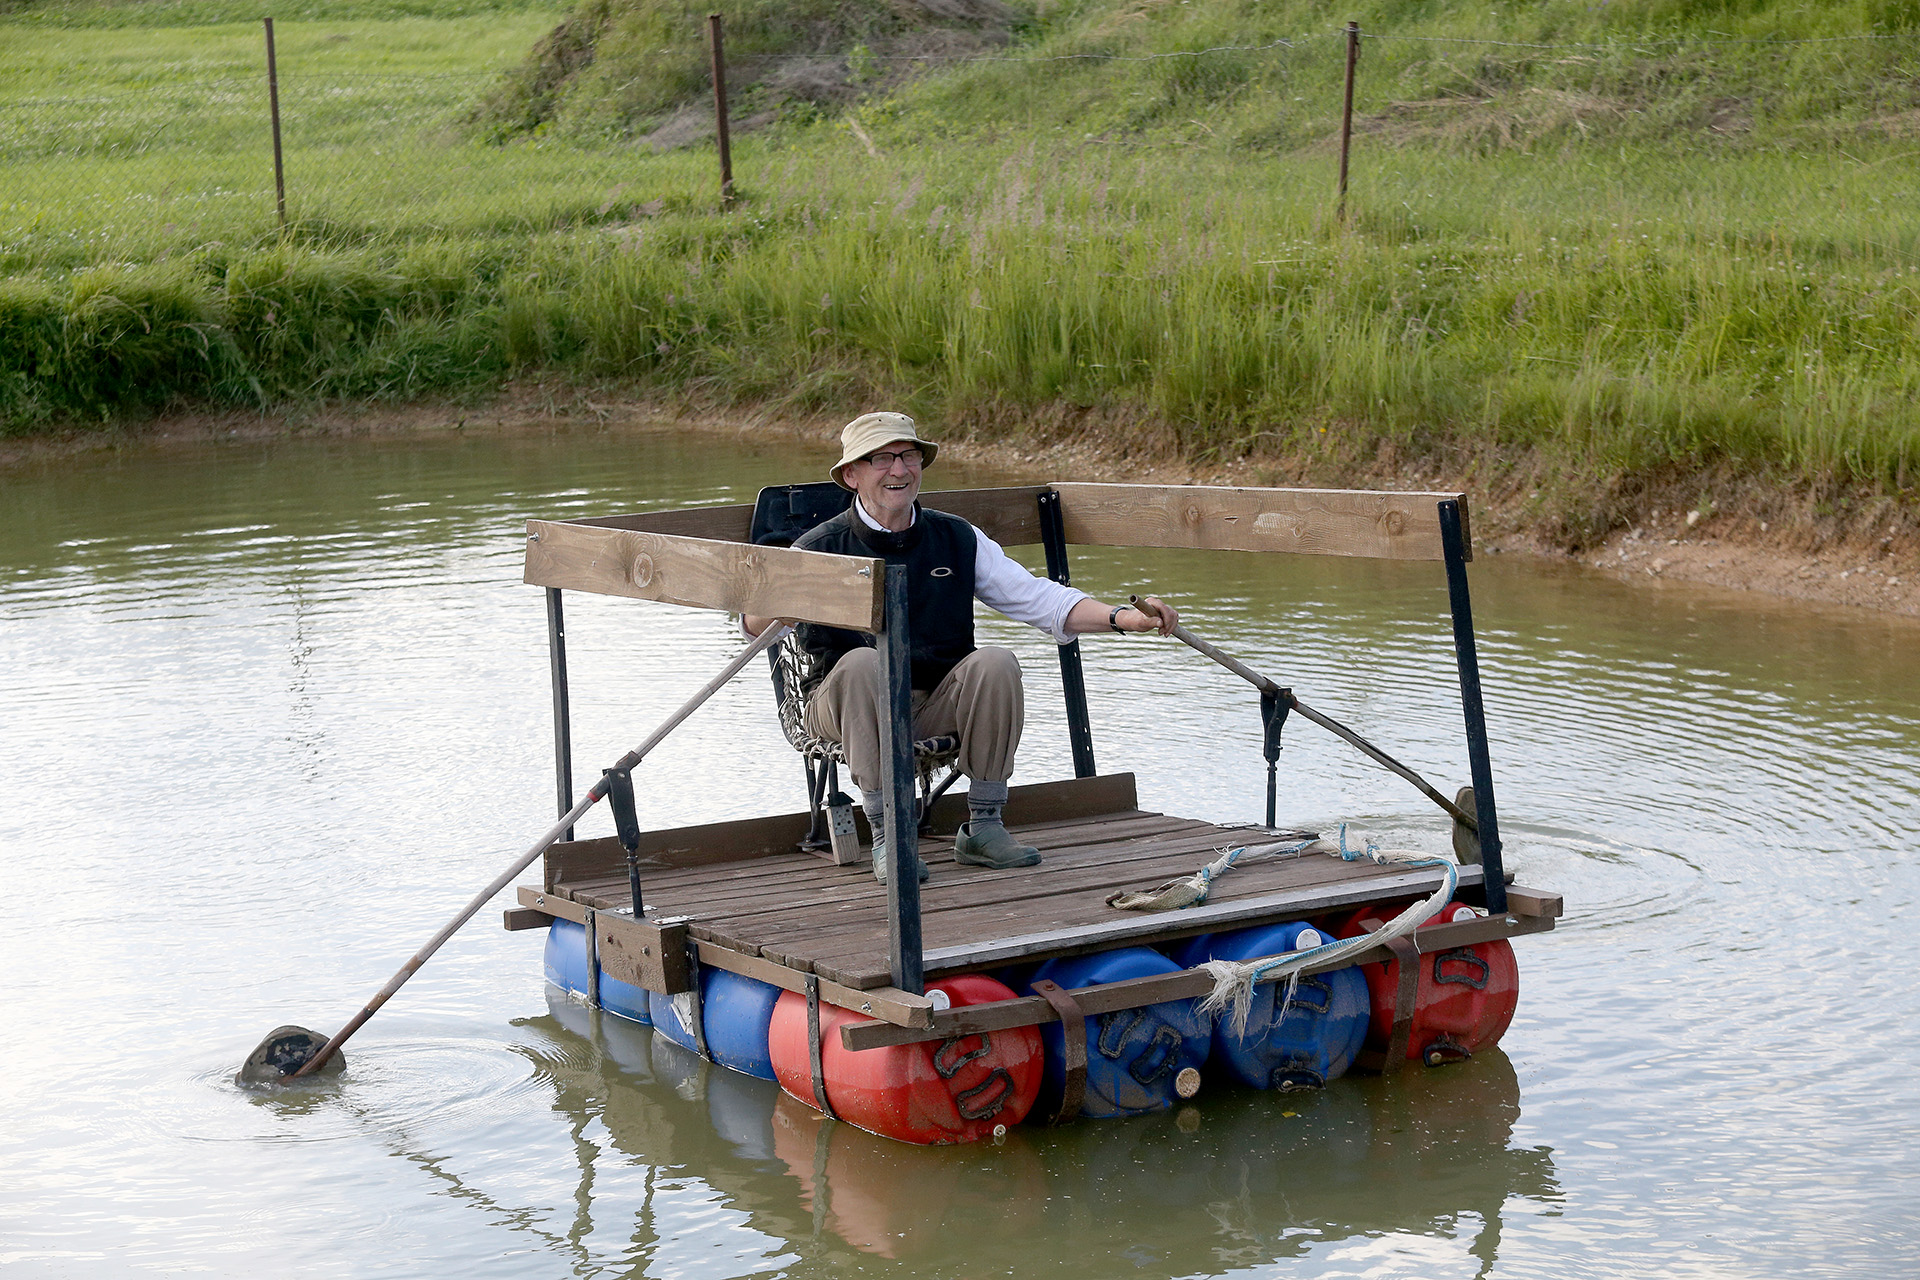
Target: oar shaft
[1264,685]
[771,636]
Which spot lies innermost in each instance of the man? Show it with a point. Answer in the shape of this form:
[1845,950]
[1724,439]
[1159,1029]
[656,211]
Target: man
[957,688]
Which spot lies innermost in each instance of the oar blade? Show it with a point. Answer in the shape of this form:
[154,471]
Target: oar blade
[284,1051]
[1466,845]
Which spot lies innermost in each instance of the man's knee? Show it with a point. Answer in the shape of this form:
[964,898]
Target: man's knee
[994,665]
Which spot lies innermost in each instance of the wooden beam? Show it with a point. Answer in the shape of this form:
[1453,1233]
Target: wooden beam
[1534,902]
[774,582]
[518,918]
[1011,517]
[1334,522]
[721,524]
[1188,984]
[898,1008]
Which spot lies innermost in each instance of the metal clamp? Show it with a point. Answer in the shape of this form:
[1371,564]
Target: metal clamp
[813,1049]
[1073,1035]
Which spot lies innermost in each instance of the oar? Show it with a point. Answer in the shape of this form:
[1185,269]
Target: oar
[1328,723]
[294,1057]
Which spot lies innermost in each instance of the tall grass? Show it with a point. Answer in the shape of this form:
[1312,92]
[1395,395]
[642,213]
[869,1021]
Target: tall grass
[1539,279]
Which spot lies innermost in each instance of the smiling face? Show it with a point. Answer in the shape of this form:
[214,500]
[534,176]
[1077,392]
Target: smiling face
[887,492]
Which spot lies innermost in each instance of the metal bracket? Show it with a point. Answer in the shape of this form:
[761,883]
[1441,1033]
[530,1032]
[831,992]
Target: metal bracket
[1073,1033]
[593,957]
[813,1049]
[619,786]
[1274,705]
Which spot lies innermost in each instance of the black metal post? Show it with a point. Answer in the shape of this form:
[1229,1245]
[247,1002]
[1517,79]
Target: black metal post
[1453,544]
[1073,682]
[896,785]
[562,719]
[273,104]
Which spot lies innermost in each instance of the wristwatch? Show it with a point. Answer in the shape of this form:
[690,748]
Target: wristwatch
[1113,618]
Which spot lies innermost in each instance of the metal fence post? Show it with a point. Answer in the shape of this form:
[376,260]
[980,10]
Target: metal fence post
[273,103]
[1346,116]
[720,107]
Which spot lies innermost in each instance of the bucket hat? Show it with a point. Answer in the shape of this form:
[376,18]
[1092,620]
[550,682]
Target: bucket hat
[871,431]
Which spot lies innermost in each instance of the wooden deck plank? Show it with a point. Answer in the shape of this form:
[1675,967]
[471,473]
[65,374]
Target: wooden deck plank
[779,914]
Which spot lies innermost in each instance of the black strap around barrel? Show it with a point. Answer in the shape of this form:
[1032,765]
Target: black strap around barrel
[813,1051]
[1073,1039]
[1408,956]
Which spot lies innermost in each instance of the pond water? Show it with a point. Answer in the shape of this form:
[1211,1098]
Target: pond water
[274,711]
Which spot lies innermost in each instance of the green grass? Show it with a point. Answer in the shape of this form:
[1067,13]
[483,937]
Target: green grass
[1664,253]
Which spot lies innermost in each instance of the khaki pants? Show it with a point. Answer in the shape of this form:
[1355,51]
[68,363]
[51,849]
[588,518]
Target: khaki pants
[981,700]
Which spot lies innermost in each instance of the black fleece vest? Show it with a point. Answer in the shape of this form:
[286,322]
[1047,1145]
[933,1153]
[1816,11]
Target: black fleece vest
[937,552]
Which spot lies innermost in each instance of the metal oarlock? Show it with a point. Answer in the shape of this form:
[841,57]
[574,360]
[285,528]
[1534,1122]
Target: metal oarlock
[1274,705]
[619,785]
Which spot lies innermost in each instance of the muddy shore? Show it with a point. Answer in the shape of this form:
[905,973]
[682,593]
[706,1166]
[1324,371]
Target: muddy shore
[1790,546]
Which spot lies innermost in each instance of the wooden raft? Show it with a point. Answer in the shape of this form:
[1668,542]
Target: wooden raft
[757,905]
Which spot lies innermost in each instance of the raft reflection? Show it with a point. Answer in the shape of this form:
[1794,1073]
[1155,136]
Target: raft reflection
[1238,1178]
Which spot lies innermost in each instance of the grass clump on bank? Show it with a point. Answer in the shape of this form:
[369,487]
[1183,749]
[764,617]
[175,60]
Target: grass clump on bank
[1645,253]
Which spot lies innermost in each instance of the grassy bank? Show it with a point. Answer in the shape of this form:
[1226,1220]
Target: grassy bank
[1672,244]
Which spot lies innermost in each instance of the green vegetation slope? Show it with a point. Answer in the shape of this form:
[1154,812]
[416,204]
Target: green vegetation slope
[1589,248]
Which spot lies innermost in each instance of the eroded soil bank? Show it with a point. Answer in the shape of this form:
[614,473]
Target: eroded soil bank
[1853,550]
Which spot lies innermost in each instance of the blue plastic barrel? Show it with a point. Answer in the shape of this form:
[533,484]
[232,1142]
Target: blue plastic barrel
[735,1013]
[1314,1038]
[566,961]
[1133,1055]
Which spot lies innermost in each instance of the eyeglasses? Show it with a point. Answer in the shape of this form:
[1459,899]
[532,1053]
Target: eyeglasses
[884,461]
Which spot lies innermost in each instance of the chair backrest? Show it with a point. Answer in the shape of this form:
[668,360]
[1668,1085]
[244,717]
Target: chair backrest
[783,512]
[780,515]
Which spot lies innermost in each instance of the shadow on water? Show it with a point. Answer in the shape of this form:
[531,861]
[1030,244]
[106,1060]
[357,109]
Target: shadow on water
[1239,1178]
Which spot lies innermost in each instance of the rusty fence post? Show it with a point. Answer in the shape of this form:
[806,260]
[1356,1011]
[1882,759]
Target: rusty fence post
[1346,116]
[273,104]
[720,106]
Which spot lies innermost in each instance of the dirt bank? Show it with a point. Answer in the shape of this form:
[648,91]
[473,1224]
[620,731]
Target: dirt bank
[1860,554]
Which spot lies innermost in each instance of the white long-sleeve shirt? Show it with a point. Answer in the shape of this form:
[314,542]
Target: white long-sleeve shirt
[1006,586]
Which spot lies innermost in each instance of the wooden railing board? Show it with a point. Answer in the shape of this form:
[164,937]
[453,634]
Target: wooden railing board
[733,523]
[773,582]
[1011,517]
[1339,522]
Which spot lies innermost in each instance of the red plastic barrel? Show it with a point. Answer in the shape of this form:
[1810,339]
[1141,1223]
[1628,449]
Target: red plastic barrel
[1465,997]
[929,1093]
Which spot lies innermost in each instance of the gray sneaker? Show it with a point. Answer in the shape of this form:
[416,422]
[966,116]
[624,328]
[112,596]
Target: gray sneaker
[991,846]
[880,862]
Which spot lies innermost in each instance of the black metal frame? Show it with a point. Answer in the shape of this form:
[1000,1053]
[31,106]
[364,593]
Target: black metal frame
[1073,682]
[895,675]
[562,717]
[1453,549]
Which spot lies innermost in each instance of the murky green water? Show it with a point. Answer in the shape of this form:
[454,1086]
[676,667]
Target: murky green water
[272,712]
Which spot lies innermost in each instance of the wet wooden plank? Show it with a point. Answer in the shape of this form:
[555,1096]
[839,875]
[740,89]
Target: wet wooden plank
[774,582]
[1038,803]
[1337,522]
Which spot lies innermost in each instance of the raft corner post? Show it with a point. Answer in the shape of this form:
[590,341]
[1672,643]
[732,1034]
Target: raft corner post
[1073,681]
[1454,549]
[900,820]
[562,716]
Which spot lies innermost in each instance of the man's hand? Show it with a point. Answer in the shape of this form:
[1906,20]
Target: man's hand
[1152,613]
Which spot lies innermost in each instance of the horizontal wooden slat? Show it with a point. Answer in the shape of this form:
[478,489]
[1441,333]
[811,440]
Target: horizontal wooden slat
[889,1004]
[1011,517]
[773,582]
[1534,902]
[1335,522]
[732,523]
